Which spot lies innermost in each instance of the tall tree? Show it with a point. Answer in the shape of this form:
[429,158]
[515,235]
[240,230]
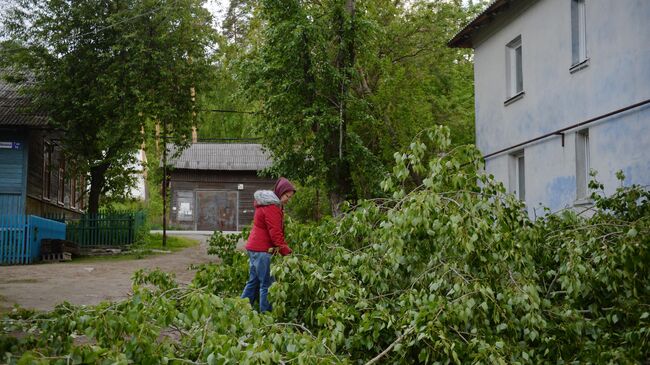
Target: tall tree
[225,112]
[102,69]
[344,84]
[410,76]
[301,72]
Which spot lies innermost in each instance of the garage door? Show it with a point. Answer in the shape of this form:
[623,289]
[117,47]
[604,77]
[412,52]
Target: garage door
[217,210]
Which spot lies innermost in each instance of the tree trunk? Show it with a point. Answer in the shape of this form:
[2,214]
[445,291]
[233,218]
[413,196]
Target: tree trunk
[97,182]
[336,200]
[340,179]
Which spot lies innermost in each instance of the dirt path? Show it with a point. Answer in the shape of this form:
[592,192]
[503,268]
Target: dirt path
[42,286]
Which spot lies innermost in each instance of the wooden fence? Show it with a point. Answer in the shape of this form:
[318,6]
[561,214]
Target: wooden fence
[21,235]
[105,229]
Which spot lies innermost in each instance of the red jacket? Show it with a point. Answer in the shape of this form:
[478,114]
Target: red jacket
[268,230]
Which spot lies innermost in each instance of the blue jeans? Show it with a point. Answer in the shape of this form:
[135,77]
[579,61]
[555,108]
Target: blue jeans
[259,279]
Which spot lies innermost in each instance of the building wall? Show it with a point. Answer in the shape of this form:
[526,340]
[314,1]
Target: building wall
[224,181]
[59,201]
[22,177]
[13,156]
[617,75]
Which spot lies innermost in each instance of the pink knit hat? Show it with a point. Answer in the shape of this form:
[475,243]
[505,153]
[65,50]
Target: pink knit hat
[282,186]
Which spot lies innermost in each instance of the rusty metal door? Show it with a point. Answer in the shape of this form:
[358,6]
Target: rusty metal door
[217,210]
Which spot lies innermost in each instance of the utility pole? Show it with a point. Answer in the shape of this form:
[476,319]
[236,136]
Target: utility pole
[164,187]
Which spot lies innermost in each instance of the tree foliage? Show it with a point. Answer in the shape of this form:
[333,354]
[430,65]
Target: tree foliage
[342,84]
[103,69]
[225,112]
[451,272]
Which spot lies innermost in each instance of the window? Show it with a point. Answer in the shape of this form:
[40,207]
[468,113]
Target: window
[582,164]
[47,169]
[578,32]
[80,192]
[514,68]
[518,175]
[73,191]
[184,206]
[68,191]
[61,187]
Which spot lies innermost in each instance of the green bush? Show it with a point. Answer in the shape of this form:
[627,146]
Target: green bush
[309,204]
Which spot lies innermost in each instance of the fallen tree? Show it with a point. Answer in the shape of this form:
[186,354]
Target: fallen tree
[451,271]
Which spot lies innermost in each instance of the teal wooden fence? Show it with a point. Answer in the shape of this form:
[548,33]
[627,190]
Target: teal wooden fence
[105,229]
[21,235]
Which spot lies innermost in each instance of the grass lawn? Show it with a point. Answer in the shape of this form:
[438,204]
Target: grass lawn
[152,245]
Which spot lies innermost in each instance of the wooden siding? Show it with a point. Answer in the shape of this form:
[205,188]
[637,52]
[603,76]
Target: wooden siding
[35,170]
[37,203]
[11,204]
[184,181]
[36,206]
[12,174]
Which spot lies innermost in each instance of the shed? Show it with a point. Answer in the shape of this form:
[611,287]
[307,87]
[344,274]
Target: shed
[212,184]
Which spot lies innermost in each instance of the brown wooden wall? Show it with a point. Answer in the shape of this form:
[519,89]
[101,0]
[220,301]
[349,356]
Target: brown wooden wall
[37,202]
[193,180]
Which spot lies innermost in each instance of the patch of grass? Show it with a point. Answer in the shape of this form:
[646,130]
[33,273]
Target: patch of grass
[174,243]
[18,281]
[151,245]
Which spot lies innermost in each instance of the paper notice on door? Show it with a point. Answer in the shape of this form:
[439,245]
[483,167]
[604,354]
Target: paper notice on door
[185,209]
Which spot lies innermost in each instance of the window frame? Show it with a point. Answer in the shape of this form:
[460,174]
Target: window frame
[583,165]
[73,191]
[47,170]
[579,54]
[61,183]
[518,174]
[514,70]
[81,185]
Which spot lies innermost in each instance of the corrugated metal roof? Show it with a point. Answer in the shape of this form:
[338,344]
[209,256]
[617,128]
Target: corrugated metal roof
[220,156]
[13,107]
[463,39]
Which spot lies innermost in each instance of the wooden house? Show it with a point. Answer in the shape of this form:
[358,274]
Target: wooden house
[212,185]
[34,176]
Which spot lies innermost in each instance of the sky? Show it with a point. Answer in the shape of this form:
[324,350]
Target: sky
[218,9]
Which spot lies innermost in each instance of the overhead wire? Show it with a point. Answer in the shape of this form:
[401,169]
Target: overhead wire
[101,29]
[152,11]
[122,21]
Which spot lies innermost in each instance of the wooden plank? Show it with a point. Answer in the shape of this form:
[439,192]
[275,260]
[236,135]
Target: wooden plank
[11,170]
[191,180]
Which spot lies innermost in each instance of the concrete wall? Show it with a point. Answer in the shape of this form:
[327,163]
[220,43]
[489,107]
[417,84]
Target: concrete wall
[617,75]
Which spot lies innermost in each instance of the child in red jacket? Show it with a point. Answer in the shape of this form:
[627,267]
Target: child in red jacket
[265,239]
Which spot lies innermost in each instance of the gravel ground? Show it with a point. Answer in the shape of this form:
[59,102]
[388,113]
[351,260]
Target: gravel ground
[42,286]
